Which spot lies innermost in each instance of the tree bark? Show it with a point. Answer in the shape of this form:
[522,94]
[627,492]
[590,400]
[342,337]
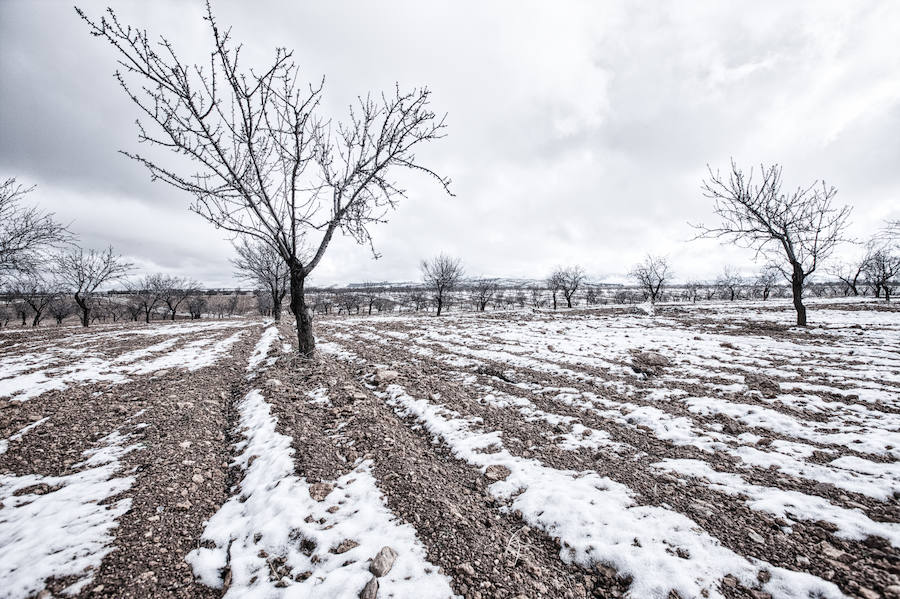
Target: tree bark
[797,291]
[276,308]
[306,343]
[440,304]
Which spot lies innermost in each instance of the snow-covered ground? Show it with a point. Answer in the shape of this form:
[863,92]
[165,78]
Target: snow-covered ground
[321,536]
[58,526]
[31,368]
[834,421]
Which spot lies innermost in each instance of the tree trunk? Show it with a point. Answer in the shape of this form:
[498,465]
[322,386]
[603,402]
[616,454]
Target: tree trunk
[554,300]
[276,309]
[797,291]
[306,343]
[37,319]
[440,304]
[569,301]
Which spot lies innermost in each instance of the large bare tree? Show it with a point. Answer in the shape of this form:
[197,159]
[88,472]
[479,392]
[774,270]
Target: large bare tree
[795,230]
[25,231]
[651,275]
[267,166]
[441,274]
[84,272]
[260,264]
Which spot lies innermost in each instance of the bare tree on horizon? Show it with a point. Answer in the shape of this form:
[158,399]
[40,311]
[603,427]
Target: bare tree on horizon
[796,231]
[651,275]
[570,280]
[83,273]
[260,263]
[268,166]
[441,274]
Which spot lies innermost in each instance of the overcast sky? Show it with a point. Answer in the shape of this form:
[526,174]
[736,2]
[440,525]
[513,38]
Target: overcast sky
[577,132]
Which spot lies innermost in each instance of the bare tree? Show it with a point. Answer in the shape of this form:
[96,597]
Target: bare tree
[441,274]
[418,299]
[537,296]
[555,283]
[84,272]
[766,280]
[262,265]
[520,298]
[481,291]
[268,166]
[570,280]
[347,302]
[196,304]
[849,273]
[692,291]
[35,290]
[883,270]
[651,276]
[728,282]
[146,294]
[25,232]
[60,308]
[796,230]
[175,291]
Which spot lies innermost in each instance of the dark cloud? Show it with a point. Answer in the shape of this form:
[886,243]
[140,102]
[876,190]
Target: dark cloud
[578,132]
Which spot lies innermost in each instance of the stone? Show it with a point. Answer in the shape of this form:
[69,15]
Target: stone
[755,537]
[868,593]
[184,444]
[765,385]
[197,478]
[466,569]
[383,562]
[184,505]
[383,375]
[892,591]
[831,551]
[730,581]
[272,383]
[370,591]
[497,472]
[319,491]
[162,372]
[345,546]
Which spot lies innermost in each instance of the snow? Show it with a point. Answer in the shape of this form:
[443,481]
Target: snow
[263,347]
[598,520]
[851,524]
[17,436]
[272,516]
[45,366]
[274,512]
[68,530]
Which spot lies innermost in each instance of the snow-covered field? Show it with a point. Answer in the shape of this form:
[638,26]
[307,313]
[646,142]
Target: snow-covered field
[688,451]
[823,449]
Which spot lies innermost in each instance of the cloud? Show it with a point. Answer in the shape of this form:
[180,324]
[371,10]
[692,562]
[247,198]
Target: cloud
[578,132]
